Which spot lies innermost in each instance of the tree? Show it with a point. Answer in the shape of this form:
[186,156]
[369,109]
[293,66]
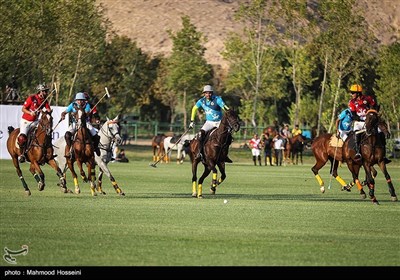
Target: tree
[344,48]
[187,70]
[254,71]
[388,83]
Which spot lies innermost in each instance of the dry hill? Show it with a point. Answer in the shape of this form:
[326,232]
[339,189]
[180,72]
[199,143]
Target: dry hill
[147,21]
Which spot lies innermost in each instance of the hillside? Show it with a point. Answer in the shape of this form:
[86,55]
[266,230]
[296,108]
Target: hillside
[147,21]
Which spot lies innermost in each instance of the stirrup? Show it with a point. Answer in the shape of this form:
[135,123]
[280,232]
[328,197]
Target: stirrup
[227,159]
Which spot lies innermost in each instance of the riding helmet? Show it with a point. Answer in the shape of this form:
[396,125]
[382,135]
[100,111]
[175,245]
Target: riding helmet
[356,88]
[80,96]
[208,88]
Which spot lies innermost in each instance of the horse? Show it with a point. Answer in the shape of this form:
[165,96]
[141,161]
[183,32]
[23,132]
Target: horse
[157,144]
[109,134]
[215,150]
[294,148]
[373,152]
[82,152]
[327,147]
[171,144]
[297,144]
[39,151]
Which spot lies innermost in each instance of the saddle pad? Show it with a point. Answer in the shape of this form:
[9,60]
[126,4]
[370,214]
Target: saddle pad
[336,142]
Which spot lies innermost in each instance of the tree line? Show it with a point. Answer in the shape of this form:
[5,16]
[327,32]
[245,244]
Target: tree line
[292,62]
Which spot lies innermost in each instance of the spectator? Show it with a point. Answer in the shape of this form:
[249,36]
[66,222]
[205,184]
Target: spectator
[255,146]
[121,157]
[267,144]
[278,148]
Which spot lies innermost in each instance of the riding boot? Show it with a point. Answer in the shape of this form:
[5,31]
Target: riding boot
[227,159]
[382,139]
[96,142]
[259,160]
[200,138]
[22,147]
[254,160]
[68,141]
[357,139]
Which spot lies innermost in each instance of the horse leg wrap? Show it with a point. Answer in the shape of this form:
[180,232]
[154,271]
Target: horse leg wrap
[37,177]
[340,180]
[319,179]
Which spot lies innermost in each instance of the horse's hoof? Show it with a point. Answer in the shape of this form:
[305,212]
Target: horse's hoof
[93,192]
[100,190]
[322,189]
[212,190]
[346,188]
[77,190]
[375,201]
[41,186]
[122,194]
[194,194]
[27,192]
[363,195]
[119,191]
[199,196]
[393,198]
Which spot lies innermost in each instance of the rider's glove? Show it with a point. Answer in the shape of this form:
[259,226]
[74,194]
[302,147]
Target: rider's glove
[191,125]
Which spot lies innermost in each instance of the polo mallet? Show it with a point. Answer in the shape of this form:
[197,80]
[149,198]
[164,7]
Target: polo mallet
[106,94]
[170,148]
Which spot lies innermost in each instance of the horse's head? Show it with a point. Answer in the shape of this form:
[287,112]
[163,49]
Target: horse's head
[80,116]
[111,130]
[46,122]
[371,121]
[232,120]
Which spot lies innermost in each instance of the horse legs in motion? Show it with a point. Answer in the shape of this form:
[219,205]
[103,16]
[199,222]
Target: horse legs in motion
[197,186]
[324,151]
[40,152]
[103,168]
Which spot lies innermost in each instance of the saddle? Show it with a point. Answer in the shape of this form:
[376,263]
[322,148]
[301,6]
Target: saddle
[336,142]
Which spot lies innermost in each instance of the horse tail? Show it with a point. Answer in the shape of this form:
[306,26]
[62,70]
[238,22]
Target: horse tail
[10,129]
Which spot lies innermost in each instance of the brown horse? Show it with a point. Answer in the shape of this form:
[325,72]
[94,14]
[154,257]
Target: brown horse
[215,150]
[157,144]
[39,151]
[82,152]
[294,149]
[372,150]
[327,147]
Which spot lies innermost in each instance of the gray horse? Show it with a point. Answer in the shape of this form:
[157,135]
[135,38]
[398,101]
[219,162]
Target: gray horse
[109,134]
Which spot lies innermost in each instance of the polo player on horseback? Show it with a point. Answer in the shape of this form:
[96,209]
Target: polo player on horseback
[212,106]
[359,105]
[79,102]
[31,109]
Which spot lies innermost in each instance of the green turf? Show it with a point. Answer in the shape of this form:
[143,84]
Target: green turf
[275,216]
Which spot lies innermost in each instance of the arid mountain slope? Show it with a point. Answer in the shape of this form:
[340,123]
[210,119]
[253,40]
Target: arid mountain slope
[147,21]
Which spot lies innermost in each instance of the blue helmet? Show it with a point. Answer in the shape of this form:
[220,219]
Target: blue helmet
[80,96]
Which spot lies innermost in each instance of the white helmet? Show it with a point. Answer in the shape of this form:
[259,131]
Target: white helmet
[208,88]
[80,96]
[41,87]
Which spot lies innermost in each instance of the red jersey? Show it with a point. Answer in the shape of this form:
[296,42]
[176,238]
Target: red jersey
[32,103]
[255,143]
[361,105]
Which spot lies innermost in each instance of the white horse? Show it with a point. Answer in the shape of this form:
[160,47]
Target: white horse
[170,145]
[109,134]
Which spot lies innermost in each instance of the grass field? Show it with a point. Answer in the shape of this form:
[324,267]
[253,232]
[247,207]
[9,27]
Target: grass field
[275,216]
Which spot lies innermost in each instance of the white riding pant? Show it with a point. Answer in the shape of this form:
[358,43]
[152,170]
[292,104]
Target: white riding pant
[208,125]
[93,131]
[359,125]
[343,134]
[25,126]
